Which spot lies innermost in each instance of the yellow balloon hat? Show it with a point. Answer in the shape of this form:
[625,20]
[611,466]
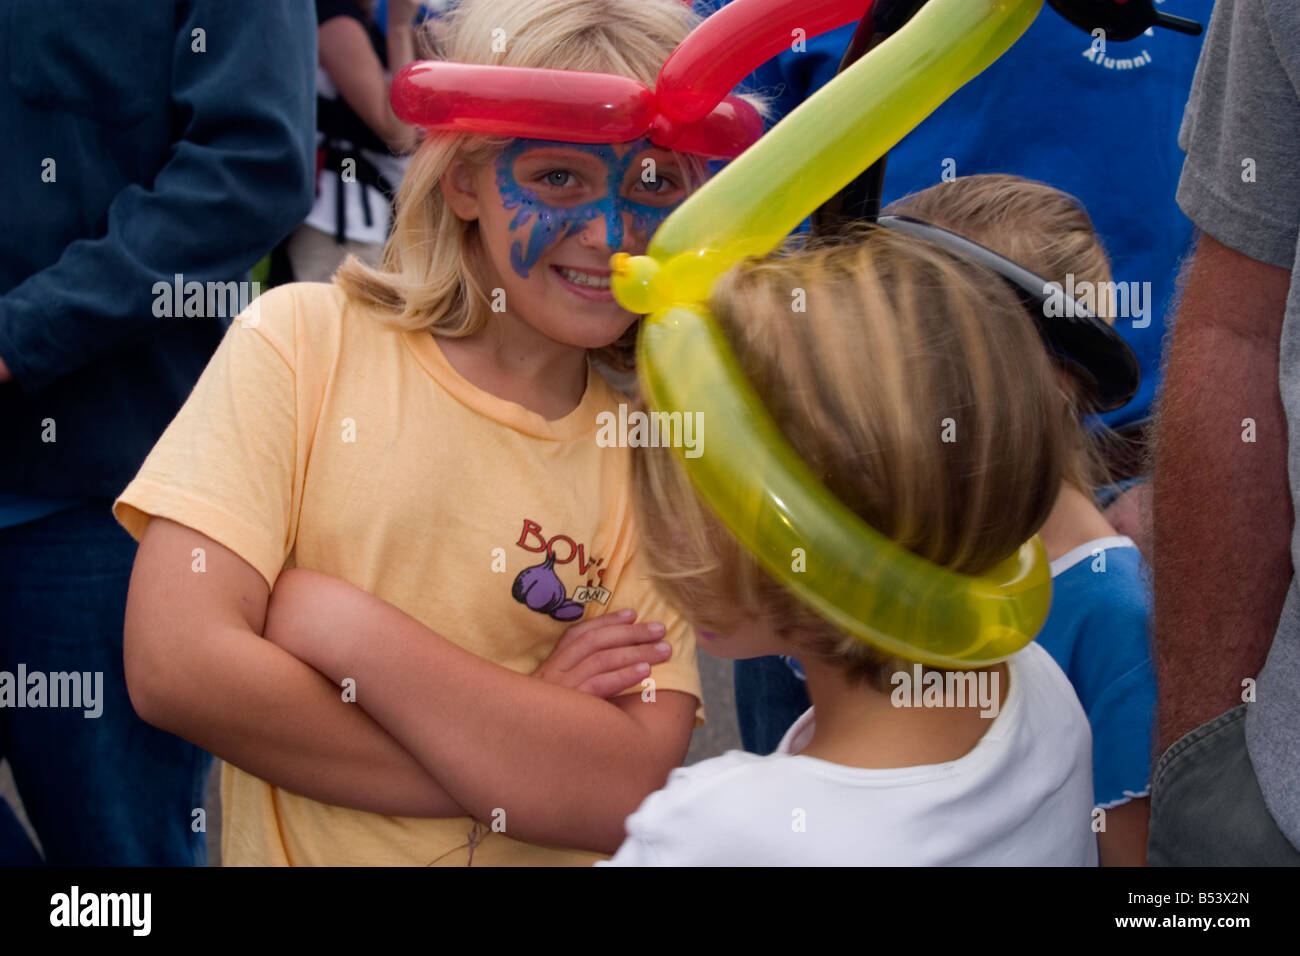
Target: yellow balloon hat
[855,577]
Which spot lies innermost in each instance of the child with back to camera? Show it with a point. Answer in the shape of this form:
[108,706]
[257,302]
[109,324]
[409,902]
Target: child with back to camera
[1098,626]
[898,336]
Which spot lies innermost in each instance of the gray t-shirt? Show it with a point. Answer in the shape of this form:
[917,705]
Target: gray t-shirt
[1241,185]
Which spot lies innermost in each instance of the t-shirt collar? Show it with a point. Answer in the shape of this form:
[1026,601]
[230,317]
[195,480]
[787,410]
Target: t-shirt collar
[596,397]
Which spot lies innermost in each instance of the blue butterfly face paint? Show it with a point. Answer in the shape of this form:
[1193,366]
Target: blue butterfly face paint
[551,222]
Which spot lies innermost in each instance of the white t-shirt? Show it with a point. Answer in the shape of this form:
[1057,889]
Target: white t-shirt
[1021,797]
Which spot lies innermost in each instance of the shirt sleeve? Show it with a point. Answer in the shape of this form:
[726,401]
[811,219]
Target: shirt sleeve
[1240,183]
[1115,680]
[680,672]
[226,465]
[240,177]
[1121,720]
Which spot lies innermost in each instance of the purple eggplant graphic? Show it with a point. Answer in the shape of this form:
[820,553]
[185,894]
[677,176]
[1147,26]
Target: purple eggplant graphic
[541,589]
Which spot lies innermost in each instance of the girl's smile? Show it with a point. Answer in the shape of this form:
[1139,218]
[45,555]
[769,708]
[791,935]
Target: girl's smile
[592,284]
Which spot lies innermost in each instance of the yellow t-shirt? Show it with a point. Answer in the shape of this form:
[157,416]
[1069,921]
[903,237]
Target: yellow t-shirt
[320,438]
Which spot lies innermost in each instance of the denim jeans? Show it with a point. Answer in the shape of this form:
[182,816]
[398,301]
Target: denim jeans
[769,698]
[1206,805]
[105,790]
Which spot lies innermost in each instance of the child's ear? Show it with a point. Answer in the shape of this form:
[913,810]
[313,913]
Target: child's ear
[458,190]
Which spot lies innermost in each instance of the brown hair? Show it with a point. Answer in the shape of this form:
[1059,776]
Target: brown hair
[900,343]
[1048,232]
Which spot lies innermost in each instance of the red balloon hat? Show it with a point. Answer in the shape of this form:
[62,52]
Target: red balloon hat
[689,110]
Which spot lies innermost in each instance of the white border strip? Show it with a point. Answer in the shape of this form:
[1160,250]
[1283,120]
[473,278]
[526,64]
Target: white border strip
[1128,796]
[1083,551]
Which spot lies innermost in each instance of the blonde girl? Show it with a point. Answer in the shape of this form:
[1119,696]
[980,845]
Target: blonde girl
[381,551]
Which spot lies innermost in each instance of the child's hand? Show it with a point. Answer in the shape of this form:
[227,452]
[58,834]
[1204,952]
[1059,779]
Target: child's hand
[605,655]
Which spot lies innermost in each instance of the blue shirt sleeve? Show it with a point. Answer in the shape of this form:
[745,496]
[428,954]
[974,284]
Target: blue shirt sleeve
[239,178]
[1121,718]
[1097,631]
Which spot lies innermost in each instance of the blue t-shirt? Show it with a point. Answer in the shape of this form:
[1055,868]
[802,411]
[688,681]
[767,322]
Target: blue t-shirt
[1097,632]
[1054,109]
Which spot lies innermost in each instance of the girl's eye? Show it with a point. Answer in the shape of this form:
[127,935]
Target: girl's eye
[559,178]
[656,184]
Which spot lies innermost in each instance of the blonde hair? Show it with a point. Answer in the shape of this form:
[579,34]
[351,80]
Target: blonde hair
[901,341]
[1047,231]
[432,272]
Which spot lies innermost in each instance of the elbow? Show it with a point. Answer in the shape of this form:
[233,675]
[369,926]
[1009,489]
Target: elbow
[142,686]
[151,684]
[401,142]
[280,208]
[400,137]
[305,202]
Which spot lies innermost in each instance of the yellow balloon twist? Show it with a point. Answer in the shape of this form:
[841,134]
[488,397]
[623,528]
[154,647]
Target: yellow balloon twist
[750,476]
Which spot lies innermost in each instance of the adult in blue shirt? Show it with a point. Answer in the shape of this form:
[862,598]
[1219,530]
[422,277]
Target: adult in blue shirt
[1100,122]
[147,144]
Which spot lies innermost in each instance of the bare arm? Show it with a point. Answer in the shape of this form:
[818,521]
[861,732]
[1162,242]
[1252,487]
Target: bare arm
[1124,841]
[399,34]
[566,767]
[1222,506]
[197,666]
[349,59]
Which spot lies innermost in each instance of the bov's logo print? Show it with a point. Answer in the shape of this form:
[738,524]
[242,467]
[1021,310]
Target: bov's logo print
[540,588]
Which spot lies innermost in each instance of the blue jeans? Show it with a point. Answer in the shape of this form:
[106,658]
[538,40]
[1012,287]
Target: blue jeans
[106,790]
[1206,805]
[769,698]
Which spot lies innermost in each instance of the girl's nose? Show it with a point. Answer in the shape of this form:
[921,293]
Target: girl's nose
[605,232]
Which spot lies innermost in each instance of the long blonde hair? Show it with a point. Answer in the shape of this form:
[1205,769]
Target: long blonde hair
[914,385]
[432,271]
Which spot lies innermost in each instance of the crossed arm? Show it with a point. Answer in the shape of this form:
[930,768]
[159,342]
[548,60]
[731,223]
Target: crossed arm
[436,730]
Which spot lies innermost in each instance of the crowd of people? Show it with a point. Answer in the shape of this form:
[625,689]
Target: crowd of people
[357,539]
